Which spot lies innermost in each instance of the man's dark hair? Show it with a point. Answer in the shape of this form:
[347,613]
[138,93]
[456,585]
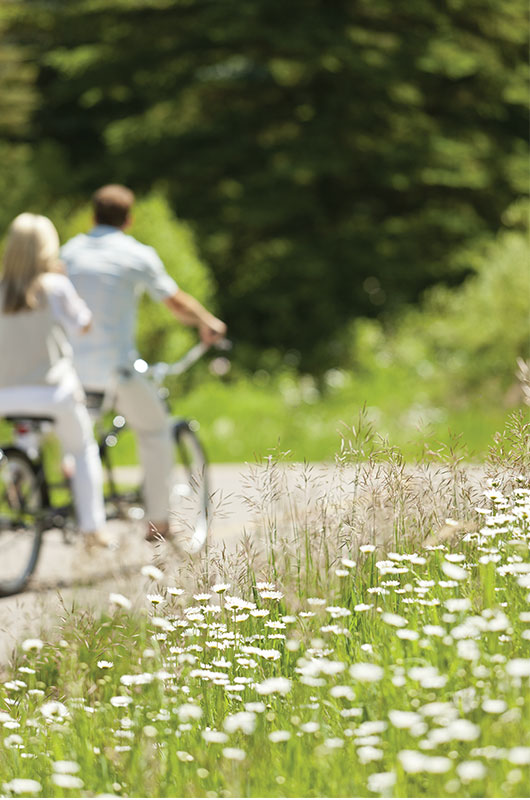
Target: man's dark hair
[112,204]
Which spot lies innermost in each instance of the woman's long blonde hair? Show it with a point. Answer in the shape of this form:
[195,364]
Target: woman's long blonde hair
[32,248]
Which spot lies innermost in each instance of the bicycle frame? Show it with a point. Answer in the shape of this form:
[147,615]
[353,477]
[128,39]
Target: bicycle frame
[107,440]
[37,428]
[29,488]
[60,516]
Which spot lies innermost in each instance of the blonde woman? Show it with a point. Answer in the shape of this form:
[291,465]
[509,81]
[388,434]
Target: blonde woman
[38,307]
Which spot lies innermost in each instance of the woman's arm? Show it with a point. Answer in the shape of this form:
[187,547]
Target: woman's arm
[68,308]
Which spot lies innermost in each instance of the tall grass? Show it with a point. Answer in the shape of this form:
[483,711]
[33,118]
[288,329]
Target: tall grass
[371,638]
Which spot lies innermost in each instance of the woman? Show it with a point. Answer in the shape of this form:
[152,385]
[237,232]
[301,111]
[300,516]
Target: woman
[37,305]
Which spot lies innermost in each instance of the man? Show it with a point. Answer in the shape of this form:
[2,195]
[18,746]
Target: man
[110,270]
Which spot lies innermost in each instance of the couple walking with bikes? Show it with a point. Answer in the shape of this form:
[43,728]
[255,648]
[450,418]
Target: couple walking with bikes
[68,323]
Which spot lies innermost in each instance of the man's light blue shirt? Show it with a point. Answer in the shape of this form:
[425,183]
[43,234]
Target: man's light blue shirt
[110,271]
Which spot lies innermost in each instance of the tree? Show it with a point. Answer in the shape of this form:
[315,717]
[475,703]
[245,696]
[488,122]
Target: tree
[17,102]
[332,157]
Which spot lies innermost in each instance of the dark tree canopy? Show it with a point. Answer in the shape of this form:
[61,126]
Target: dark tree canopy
[333,157]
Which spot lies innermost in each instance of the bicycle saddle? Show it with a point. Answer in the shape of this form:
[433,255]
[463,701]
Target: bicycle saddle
[19,419]
[94,400]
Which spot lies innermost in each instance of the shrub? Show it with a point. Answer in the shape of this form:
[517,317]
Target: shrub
[464,340]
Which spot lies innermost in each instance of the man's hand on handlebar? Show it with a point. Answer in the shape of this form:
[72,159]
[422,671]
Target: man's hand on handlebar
[212,331]
[189,311]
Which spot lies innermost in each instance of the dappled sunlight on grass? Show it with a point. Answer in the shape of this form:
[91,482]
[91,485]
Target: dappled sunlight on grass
[241,420]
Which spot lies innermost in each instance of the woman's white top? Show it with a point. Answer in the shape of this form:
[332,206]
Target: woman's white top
[34,348]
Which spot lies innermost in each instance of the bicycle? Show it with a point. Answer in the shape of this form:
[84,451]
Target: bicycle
[26,488]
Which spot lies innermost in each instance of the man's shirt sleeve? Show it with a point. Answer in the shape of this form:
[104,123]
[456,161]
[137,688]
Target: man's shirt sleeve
[155,279]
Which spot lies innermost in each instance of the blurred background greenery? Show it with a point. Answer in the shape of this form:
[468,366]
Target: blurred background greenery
[345,183]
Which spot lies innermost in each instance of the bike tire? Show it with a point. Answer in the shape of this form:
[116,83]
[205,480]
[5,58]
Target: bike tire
[190,495]
[22,499]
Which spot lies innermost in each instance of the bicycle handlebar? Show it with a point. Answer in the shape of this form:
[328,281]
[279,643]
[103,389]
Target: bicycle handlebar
[161,369]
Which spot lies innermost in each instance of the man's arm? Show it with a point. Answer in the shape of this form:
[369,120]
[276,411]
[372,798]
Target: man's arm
[189,311]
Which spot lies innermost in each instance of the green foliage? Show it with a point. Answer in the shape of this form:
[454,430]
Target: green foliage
[444,368]
[16,181]
[18,94]
[243,420]
[333,158]
[467,340]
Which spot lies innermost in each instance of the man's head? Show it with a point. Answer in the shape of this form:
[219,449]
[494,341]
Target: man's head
[112,205]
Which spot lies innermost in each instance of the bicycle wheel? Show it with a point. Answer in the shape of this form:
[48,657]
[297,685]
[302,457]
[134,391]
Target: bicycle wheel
[190,498]
[21,503]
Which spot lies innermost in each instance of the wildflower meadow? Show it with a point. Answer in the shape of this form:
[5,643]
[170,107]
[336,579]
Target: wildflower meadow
[376,644]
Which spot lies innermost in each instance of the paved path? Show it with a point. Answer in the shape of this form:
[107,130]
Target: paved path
[64,578]
[247,499]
